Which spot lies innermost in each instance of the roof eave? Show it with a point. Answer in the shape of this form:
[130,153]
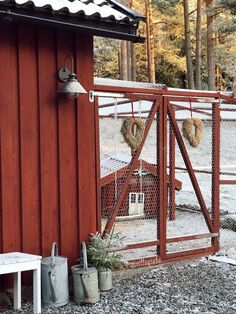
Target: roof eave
[104,29]
[127,11]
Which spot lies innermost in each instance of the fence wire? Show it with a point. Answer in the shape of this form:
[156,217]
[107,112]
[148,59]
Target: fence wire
[228,167]
[137,217]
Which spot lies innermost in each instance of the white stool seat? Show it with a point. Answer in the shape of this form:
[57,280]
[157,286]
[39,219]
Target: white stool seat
[16,262]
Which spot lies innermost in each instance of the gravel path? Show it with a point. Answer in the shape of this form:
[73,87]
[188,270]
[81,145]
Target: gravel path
[195,287]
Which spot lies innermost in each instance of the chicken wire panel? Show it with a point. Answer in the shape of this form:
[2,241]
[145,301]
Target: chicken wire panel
[228,208]
[228,169]
[184,211]
[136,219]
[228,148]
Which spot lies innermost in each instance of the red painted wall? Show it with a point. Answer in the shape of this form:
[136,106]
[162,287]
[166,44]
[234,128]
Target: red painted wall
[47,144]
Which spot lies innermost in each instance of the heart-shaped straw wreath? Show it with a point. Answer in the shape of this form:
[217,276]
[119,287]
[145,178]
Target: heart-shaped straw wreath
[131,138]
[194,137]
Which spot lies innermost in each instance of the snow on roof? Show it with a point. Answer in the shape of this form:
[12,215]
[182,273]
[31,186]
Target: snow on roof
[114,163]
[123,83]
[98,9]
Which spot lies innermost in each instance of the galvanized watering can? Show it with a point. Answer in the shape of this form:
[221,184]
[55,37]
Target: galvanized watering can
[85,281]
[55,290]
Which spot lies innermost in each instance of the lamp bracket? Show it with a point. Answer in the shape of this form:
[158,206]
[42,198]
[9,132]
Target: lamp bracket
[63,74]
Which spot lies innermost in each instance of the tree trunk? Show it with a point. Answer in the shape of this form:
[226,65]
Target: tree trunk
[129,60]
[133,63]
[150,56]
[234,86]
[190,76]
[198,45]
[123,61]
[210,46]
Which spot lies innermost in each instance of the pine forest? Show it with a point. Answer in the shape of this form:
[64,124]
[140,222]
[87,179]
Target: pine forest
[189,44]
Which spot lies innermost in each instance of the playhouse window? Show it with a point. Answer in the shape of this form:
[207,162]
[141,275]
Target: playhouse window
[136,203]
[132,198]
[140,198]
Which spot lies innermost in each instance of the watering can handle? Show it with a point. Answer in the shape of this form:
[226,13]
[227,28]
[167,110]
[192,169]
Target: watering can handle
[54,252]
[85,256]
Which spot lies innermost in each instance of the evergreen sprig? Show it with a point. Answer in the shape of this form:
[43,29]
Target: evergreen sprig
[99,256]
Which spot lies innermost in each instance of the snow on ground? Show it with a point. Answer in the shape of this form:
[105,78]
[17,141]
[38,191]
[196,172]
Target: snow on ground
[186,223]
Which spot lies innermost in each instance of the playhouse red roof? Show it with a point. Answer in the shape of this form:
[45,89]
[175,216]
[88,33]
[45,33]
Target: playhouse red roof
[117,166]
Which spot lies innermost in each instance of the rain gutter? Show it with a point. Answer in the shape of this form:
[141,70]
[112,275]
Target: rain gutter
[9,16]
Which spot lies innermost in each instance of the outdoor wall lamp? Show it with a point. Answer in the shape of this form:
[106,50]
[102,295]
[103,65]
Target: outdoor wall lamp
[71,88]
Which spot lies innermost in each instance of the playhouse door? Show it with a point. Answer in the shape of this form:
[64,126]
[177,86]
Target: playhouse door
[136,204]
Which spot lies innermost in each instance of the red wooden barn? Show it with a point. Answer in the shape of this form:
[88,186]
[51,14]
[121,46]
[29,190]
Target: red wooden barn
[141,197]
[48,149]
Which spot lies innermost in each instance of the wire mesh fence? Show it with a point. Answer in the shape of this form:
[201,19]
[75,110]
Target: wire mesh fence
[136,217]
[228,168]
[186,216]
[131,191]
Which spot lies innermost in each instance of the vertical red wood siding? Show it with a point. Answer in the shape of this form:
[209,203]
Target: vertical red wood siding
[48,129]
[68,158]
[86,141]
[10,141]
[47,143]
[29,141]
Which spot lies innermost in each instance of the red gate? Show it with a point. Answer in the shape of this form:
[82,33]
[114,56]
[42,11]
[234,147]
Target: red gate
[163,199]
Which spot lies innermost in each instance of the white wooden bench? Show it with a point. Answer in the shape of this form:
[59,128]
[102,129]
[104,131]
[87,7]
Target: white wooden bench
[16,263]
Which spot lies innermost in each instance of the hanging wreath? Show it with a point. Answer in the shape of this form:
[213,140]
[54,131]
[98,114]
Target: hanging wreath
[133,140]
[194,138]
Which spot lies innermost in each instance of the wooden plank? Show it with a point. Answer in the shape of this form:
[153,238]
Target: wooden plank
[86,135]
[165,92]
[231,100]
[69,227]
[98,174]
[139,245]
[192,237]
[175,257]
[227,182]
[216,125]
[0,190]
[161,132]
[165,186]
[48,126]
[172,179]
[10,165]
[190,254]
[28,99]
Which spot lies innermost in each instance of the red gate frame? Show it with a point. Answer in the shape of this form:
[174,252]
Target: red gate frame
[162,107]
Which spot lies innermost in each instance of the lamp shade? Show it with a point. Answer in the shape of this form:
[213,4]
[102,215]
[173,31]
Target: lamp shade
[72,88]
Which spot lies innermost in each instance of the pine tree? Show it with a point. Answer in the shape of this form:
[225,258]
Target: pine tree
[198,44]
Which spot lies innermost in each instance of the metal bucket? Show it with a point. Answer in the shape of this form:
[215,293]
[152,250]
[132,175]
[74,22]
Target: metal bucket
[85,281]
[105,279]
[55,290]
